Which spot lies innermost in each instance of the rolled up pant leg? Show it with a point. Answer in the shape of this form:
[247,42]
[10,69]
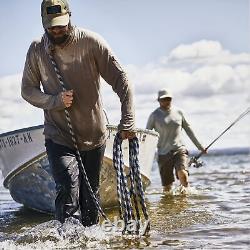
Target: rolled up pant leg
[92,161]
[65,172]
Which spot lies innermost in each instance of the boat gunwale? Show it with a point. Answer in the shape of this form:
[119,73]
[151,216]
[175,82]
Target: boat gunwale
[137,130]
[111,127]
[21,130]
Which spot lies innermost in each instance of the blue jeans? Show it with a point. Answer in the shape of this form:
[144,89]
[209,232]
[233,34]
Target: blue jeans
[73,198]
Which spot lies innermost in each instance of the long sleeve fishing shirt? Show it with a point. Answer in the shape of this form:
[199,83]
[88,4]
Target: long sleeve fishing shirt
[169,125]
[81,61]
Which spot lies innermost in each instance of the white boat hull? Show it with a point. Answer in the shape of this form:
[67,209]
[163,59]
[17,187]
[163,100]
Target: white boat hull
[27,175]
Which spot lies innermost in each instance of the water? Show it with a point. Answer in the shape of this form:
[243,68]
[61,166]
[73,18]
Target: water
[213,214]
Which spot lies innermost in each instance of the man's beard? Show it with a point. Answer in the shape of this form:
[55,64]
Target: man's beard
[58,40]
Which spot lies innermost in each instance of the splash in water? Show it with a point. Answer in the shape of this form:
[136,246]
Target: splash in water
[71,234]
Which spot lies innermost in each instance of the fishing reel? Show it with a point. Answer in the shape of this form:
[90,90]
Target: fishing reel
[195,162]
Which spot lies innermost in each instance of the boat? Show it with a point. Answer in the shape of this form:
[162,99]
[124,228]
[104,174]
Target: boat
[27,175]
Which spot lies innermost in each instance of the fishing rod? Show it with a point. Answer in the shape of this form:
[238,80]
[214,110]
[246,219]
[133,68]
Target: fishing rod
[194,160]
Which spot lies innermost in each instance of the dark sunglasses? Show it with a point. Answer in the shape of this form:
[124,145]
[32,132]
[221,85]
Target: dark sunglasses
[60,28]
[166,99]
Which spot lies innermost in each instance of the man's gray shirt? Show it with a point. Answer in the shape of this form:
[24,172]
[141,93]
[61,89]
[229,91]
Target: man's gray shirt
[169,125]
[82,60]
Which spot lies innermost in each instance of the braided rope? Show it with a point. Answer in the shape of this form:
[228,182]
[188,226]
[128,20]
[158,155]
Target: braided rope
[117,161]
[136,189]
[122,187]
[133,193]
[124,196]
[73,137]
[134,148]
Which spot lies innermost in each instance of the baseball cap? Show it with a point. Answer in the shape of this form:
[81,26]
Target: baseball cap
[163,93]
[55,13]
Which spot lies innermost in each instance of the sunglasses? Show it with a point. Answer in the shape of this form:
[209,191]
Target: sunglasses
[166,99]
[59,28]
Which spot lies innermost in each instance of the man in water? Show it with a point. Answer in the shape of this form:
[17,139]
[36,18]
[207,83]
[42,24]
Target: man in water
[82,57]
[168,121]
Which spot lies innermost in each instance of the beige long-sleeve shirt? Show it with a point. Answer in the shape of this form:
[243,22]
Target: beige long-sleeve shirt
[169,125]
[84,58]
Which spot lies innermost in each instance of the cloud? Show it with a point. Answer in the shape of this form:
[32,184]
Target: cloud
[200,69]
[10,85]
[209,83]
[217,80]
[14,111]
[197,50]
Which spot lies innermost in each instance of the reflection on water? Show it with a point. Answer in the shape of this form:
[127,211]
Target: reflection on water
[213,214]
[169,213]
[18,218]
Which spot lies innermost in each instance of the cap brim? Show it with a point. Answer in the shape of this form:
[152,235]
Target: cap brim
[57,21]
[164,96]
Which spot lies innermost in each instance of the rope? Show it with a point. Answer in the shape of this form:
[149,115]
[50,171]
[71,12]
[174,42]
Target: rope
[73,137]
[124,194]
[122,187]
[125,197]
[134,152]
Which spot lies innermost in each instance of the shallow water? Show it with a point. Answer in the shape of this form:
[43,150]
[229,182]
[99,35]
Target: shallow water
[213,214]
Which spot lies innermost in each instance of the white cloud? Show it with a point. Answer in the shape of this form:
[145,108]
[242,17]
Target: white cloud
[192,56]
[200,69]
[220,79]
[200,49]
[210,83]
[14,111]
[10,86]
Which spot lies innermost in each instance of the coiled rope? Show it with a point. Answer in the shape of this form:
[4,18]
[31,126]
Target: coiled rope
[128,199]
[124,195]
[73,137]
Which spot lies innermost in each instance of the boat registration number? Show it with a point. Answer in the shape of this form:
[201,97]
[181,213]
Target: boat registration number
[15,139]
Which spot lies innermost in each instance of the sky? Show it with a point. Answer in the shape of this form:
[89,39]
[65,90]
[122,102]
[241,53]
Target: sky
[198,49]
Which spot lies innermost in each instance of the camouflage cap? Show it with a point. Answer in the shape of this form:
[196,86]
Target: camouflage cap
[55,13]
